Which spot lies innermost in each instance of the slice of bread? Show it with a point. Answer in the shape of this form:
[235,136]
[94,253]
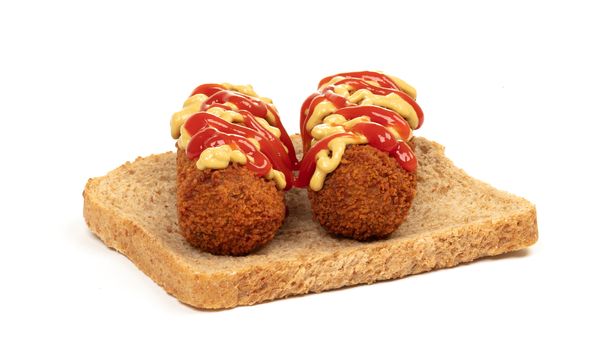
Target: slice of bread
[454,219]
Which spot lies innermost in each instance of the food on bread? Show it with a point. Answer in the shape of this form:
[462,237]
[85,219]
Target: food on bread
[358,164]
[374,205]
[224,191]
[234,161]
[454,219]
[227,212]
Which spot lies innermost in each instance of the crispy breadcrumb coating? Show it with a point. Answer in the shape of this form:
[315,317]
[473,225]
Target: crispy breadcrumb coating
[226,212]
[367,197]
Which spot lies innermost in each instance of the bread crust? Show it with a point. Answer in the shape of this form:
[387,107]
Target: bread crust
[226,212]
[366,197]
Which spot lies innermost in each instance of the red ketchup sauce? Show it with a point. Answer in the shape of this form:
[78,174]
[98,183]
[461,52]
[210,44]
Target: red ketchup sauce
[360,84]
[375,130]
[378,137]
[310,105]
[376,77]
[379,115]
[211,131]
[207,130]
[210,137]
[257,108]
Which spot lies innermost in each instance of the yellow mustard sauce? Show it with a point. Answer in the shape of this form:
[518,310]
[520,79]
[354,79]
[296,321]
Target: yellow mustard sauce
[272,129]
[403,86]
[321,110]
[191,106]
[324,122]
[220,157]
[328,160]
[246,90]
[278,177]
[333,124]
[391,101]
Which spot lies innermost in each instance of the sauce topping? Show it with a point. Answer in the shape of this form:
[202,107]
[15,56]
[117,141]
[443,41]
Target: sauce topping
[356,108]
[224,123]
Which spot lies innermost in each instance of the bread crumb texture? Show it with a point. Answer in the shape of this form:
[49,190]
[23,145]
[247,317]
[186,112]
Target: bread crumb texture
[454,219]
[226,212]
[367,197]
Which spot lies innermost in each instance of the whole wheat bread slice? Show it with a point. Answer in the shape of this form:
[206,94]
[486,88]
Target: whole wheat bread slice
[454,219]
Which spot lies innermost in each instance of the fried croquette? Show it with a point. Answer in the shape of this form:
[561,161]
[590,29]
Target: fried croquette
[367,197]
[226,212]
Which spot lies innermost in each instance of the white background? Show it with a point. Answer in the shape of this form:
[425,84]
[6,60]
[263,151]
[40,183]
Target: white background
[511,89]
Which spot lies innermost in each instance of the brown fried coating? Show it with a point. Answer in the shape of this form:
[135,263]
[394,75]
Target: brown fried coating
[367,196]
[226,212]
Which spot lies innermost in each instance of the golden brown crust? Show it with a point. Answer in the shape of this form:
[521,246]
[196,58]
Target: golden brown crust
[367,197]
[229,211]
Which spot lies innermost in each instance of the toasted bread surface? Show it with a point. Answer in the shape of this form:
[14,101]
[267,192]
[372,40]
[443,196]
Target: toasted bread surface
[454,219]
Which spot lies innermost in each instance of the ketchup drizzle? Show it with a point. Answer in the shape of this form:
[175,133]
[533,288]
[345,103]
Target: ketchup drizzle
[375,130]
[207,130]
